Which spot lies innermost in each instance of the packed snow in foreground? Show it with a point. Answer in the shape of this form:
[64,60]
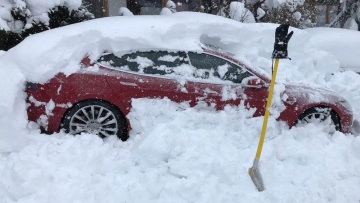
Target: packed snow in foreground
[175,153]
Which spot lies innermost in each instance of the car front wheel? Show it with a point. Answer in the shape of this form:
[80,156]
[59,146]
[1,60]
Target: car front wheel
[95,117]
[320,116]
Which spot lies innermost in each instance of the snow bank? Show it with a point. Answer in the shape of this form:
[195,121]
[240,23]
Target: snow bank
[181,154]
[342,43]
[175,153]
[343,46]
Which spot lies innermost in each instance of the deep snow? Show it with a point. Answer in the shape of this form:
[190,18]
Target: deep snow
[324,38]
[175,153]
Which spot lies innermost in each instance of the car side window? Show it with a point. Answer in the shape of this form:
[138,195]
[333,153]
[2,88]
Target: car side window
[149,62]
[208,66]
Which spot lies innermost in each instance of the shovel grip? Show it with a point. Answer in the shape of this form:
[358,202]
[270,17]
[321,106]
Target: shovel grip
[267,110]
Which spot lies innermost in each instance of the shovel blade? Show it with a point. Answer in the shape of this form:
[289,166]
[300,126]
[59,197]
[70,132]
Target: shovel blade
[256,177]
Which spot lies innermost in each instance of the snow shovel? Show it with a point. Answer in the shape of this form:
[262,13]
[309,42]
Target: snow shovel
[280,51]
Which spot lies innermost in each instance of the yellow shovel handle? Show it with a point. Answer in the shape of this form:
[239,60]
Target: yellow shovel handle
[267,110]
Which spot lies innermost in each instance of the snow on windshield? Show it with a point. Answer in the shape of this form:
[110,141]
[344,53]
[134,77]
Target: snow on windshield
[174,65]
[169,58]
[142,61]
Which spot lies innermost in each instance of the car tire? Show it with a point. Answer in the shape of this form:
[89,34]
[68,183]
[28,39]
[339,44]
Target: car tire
[319,115]
[95,117]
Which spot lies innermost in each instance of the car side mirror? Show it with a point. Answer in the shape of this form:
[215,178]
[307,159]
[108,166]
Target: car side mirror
[253,82]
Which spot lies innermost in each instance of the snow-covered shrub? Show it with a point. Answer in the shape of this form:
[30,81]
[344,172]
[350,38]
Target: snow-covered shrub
[281,15]
[353,22]
[123,11]
[349,16]
[238,12]
[21,18]
[211,6]
[170,8]
[260,13]
[171,5]
[299,14]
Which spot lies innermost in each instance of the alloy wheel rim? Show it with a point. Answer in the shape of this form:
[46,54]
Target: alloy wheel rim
[320,117]
[94,119]
[315,117]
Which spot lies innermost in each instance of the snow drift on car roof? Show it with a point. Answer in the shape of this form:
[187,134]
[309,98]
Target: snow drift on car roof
[43,55]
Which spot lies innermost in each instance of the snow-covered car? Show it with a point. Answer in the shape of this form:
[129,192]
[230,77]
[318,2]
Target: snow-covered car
[97,98]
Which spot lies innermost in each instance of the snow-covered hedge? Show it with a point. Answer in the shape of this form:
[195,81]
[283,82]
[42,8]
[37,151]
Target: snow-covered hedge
[21,18]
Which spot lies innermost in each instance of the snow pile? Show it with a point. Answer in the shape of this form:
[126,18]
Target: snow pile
[175,153]
[342,48]
[181,154]
[330,39]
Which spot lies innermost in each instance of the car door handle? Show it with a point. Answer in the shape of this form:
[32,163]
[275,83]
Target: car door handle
[252,86]
[129,84]
[208,91]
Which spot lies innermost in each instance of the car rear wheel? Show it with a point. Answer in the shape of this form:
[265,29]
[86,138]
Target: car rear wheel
[321,116]
[95,117]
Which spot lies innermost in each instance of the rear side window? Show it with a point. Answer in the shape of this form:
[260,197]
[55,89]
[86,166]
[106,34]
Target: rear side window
[212,67]
[149,62]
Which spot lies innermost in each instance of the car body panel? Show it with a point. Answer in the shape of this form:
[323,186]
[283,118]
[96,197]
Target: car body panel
[48,103]
[301,97]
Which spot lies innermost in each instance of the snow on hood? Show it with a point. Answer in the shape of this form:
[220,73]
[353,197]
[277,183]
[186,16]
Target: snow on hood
[313,93]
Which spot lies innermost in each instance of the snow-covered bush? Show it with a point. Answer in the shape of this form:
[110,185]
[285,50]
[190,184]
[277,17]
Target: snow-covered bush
[123,11]
[353,22]
[349,16]
[21,18]
[238,12]
[297,13]
[301,14]
[281,15]
[170,8]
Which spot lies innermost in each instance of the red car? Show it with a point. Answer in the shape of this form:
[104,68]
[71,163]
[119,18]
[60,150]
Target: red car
[97,98]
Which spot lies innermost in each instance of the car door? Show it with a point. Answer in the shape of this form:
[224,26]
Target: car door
[146,74]
[219,82]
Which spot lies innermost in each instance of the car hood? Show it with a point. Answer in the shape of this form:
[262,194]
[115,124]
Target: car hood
[306,94]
